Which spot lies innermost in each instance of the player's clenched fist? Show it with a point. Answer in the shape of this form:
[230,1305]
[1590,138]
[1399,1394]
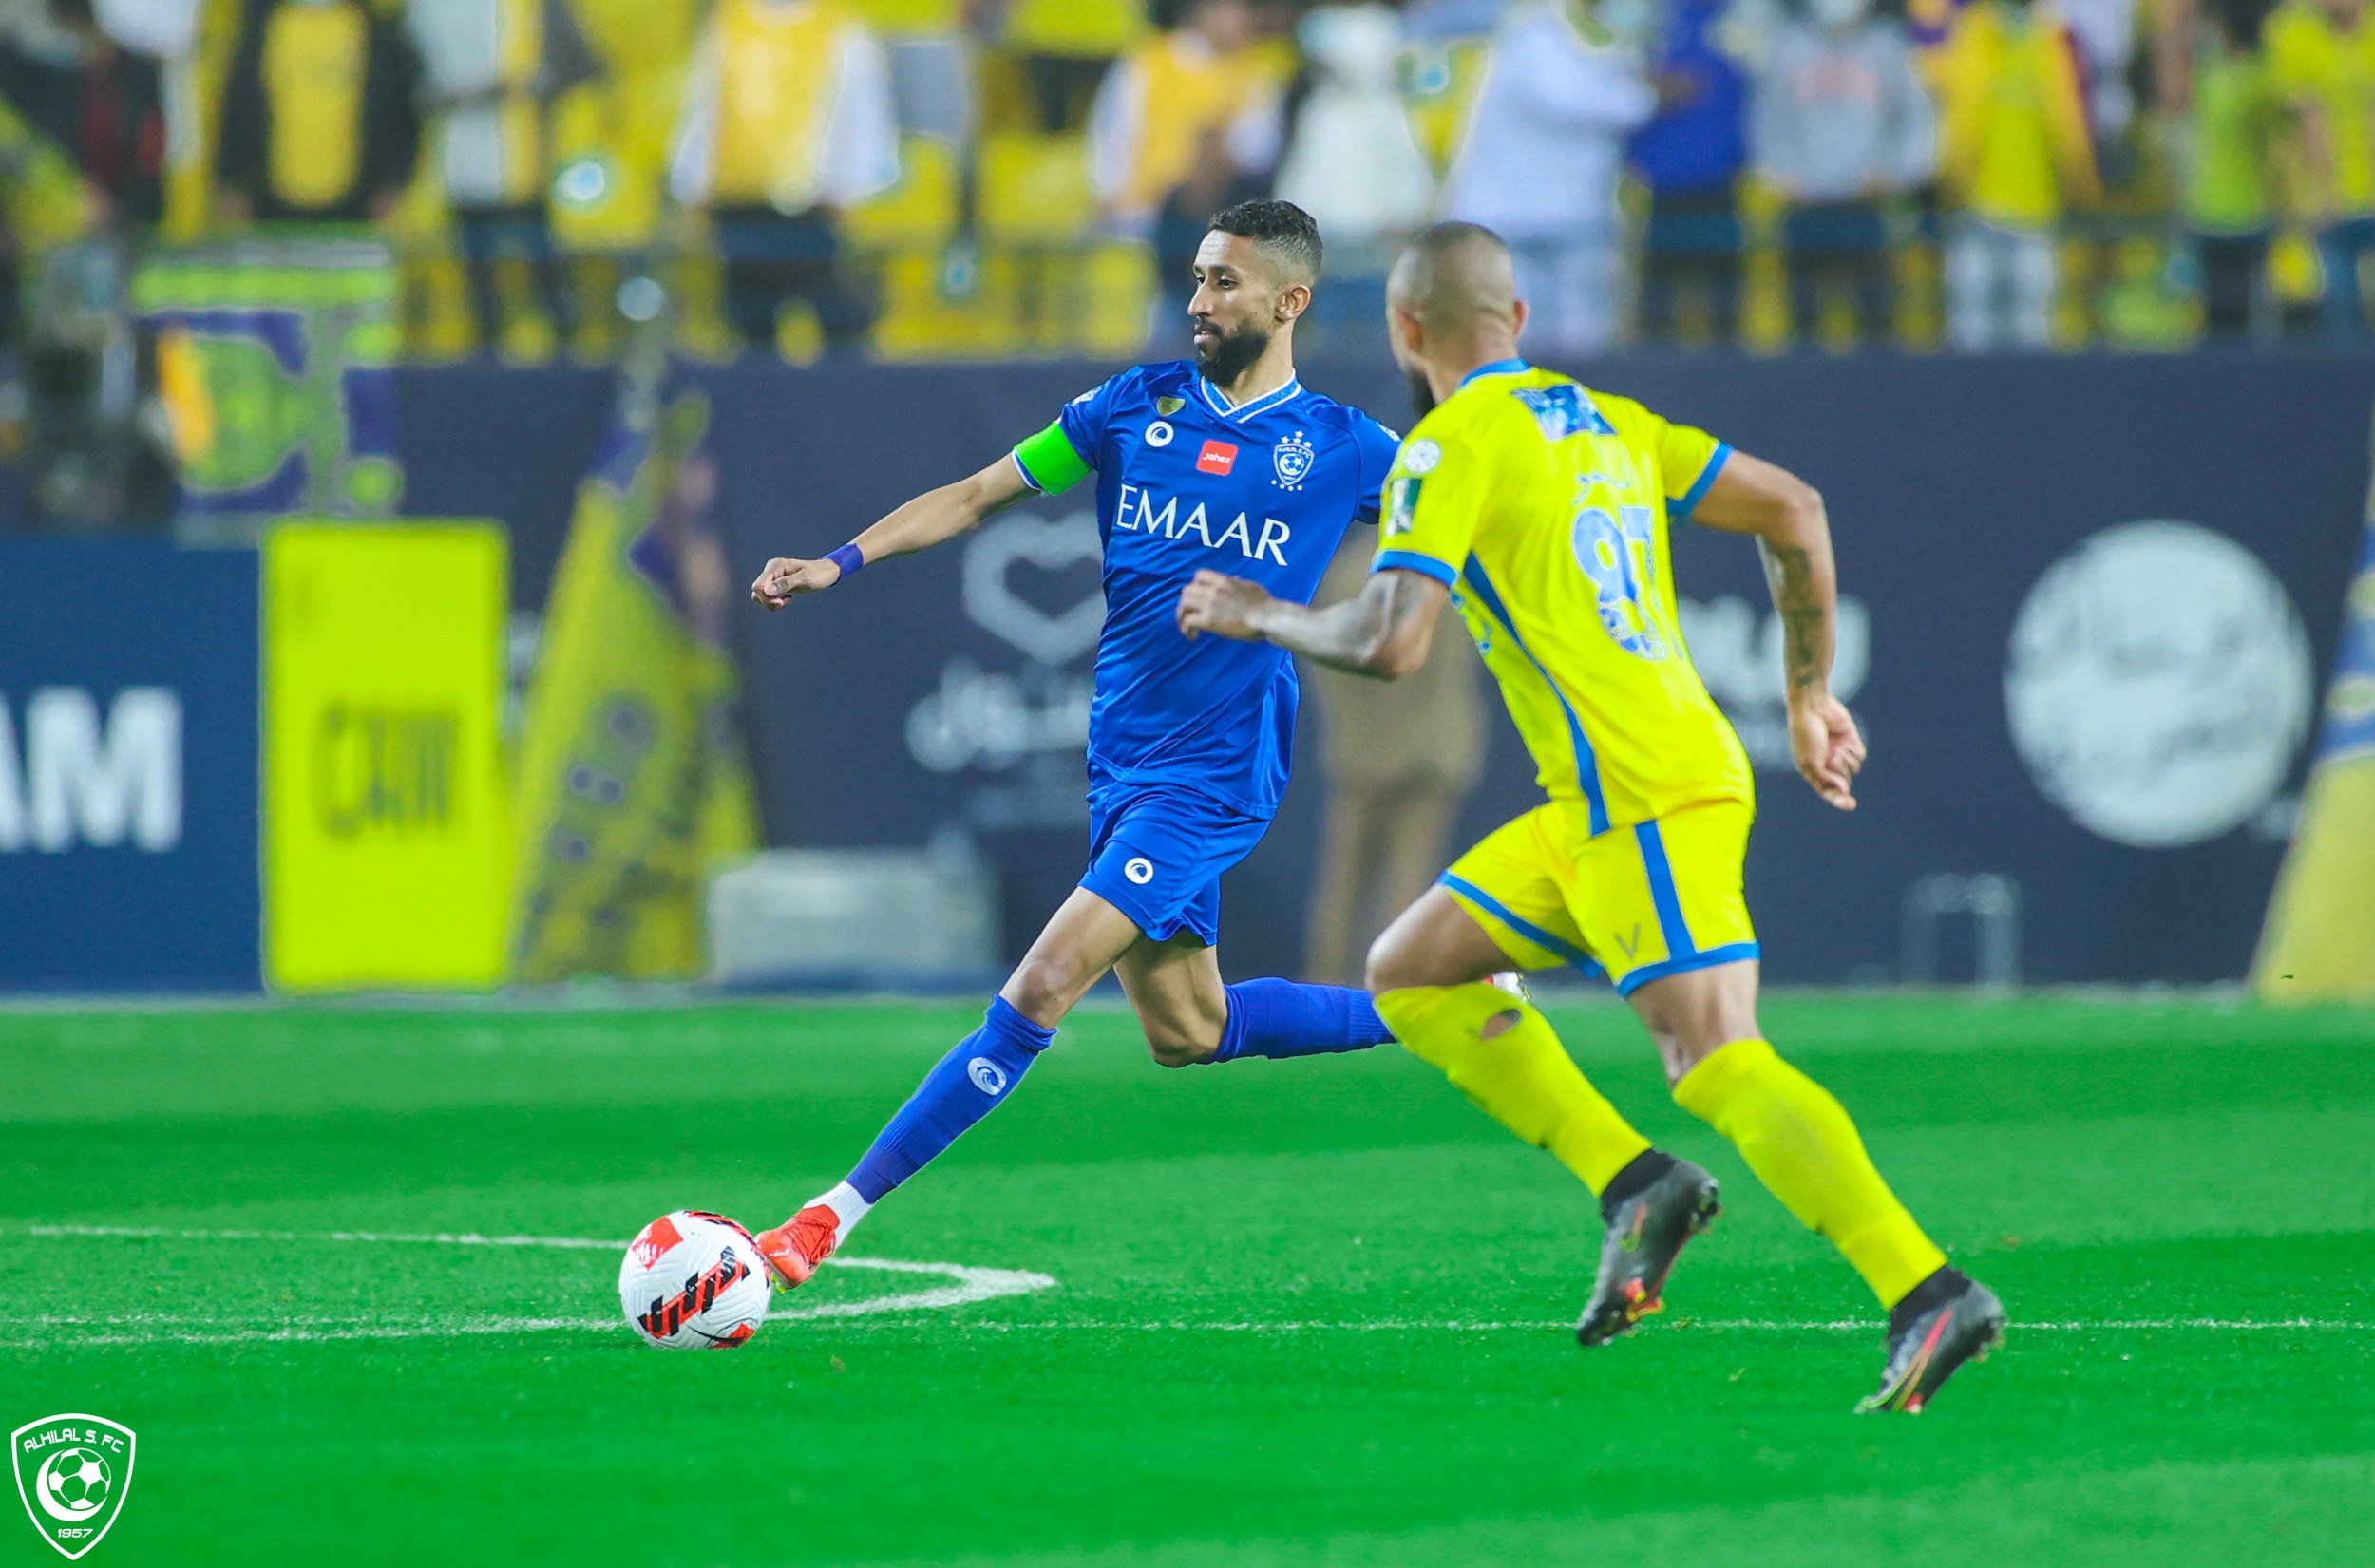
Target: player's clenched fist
[1223,605]
[784,580]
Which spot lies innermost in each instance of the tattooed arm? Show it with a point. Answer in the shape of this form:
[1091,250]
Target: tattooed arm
[1785,516]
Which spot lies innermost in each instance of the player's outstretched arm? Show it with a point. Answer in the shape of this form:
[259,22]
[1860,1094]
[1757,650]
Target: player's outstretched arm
[1384,632]
[930,518]
[1785,516]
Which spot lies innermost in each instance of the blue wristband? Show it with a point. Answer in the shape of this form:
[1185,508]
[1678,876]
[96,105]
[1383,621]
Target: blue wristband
[849,558]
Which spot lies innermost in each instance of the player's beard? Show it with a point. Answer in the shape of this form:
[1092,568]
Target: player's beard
[1421,394]
[1232,354]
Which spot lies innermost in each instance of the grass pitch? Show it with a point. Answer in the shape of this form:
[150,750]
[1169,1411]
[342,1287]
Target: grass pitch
[1302,1313]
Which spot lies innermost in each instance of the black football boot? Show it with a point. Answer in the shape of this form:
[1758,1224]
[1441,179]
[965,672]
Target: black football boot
[1949,1318]
[1655,1205]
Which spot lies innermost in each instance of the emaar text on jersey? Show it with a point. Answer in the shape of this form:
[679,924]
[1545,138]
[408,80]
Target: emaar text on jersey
[1145,511]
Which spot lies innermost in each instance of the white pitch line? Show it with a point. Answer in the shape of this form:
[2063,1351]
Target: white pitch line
[1400,1324]
[979,1284]
[971,1284]
[297,1333]
[2114,1325]
[462,1239]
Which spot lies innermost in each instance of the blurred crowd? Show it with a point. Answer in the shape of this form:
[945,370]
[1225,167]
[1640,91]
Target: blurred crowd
[938,179]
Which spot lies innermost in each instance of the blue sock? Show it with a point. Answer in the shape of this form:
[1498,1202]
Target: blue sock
[952,1096]
[1281,1018]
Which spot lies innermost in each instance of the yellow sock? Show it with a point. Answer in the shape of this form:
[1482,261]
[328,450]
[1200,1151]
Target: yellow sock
[1522,1077]
[1800,1143]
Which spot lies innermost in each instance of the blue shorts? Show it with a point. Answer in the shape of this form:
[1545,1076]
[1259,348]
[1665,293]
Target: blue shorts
[1156,853]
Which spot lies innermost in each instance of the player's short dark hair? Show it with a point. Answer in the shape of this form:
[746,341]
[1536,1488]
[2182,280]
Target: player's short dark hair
[1281,228]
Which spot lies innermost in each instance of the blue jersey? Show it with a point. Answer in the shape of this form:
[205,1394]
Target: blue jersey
[1185,482]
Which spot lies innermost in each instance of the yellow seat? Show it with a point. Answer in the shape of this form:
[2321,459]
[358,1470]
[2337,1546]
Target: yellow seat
[922,319]
[1035,190]
[1117,293]
[916,214]
[1086,299]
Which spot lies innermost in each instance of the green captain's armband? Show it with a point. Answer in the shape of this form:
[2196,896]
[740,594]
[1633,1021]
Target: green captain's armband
[1048,462]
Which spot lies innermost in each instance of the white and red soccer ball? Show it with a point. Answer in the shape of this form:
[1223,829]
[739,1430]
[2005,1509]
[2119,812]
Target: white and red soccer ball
[694,1281]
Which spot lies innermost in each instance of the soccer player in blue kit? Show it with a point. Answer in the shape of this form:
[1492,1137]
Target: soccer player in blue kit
[1224,461]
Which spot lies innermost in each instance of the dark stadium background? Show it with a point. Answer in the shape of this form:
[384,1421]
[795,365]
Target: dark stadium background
[1952,485]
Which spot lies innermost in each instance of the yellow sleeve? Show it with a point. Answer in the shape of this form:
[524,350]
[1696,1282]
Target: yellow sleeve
[1688,459]
[1433,495]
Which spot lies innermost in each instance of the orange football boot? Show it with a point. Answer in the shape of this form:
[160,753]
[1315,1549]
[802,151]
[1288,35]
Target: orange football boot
[794,1248]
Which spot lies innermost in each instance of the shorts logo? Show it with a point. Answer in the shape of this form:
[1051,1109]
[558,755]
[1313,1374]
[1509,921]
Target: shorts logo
[1421,456]
[1139,870]
[1293,459]
[1218,456]
[72,1472]
[1158,434]
[987,1076]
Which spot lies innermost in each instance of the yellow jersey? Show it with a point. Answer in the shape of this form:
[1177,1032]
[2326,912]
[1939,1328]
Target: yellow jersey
[2014,146]
[779,69]
[1544,507]
[2311,58]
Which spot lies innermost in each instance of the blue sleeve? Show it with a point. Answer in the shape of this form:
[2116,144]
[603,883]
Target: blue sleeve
[1377,445]
[1085,418]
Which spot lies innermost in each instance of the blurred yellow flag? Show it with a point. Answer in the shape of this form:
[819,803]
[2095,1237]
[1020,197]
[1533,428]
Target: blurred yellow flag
[632,782]
[2319,943]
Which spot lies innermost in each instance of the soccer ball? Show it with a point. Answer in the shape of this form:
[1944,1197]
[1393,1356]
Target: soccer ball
[694,1281]
[79,1479]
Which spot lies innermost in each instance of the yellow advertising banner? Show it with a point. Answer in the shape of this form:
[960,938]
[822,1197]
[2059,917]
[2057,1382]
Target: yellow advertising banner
[386,810]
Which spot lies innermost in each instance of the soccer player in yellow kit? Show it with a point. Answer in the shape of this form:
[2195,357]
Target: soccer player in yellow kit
[1540,509]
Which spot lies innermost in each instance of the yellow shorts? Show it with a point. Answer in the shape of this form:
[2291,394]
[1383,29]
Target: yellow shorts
[1634,903]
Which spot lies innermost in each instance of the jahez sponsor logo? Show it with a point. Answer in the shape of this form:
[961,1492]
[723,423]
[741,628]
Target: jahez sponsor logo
[75,777]
[1218,456]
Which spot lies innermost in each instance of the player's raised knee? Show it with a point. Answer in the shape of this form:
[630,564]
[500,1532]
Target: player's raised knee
[1042,989]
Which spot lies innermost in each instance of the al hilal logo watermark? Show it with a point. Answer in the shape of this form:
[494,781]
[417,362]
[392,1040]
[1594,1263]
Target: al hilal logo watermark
[72,1472]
